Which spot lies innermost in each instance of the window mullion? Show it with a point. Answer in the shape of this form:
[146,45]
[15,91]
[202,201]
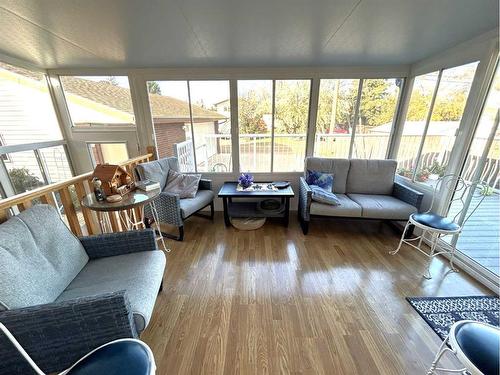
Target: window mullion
[272,124]
[235,140]
[356,117]
[192,125]
[427,122]
[313,115]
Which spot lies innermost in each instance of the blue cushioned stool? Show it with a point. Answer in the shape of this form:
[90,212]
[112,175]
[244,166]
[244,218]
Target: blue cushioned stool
[119,357]
[475,344]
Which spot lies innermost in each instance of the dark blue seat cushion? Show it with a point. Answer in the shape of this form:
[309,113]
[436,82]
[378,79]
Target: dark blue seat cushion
[117,358]
[481,345]
[435,221]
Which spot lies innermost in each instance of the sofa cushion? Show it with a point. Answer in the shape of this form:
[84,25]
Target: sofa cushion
[337,167]
[185,185]
[346,208]
[375,206]
[323,196]
[190,205]
[139,274]
[320,179]
[39,258]
[157,170]
[371,176]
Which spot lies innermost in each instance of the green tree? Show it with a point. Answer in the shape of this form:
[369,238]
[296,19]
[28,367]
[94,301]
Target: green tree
[251,110]
[154,87]
[291,106]
[23,180]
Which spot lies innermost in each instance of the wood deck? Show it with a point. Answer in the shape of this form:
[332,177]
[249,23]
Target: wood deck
[480,238]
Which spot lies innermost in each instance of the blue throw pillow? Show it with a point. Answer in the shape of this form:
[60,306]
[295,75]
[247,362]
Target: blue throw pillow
[323,196]
[323,180]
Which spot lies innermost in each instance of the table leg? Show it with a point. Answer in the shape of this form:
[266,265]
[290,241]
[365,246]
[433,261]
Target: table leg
[287,212]
[226,213]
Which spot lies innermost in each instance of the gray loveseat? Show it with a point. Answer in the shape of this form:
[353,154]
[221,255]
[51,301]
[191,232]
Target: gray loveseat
[62,296]
[366,189]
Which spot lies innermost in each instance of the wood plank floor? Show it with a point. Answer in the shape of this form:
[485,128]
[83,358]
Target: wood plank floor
[273,301]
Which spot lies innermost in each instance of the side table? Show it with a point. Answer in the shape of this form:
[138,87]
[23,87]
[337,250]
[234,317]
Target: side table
[126,209]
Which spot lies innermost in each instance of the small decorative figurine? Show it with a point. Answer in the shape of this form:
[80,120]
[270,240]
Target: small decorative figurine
[100,196]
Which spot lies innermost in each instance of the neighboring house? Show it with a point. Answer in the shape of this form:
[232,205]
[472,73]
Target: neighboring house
[27,116]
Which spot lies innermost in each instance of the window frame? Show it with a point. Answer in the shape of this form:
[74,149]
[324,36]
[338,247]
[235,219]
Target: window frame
[97,128]
[397,109]
[428,119]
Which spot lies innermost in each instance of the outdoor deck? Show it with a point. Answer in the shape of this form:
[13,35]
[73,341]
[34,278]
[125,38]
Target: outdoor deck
[480,238]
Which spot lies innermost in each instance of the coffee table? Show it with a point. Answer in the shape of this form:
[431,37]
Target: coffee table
[233,208]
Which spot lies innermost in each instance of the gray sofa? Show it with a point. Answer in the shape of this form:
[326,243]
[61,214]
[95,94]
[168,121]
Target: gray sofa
[64,295]
[171,209]
[366,189]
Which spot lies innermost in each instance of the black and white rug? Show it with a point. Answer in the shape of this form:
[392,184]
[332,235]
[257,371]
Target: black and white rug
[441,312]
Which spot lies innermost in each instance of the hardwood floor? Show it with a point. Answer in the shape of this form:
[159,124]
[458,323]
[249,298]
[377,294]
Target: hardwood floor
[273,301]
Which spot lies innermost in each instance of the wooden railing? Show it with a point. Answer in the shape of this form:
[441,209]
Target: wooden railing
[66,197]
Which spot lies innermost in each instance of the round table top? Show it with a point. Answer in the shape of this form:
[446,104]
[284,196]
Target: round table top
[133,199]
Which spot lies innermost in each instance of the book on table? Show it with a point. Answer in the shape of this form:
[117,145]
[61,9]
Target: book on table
[147,185]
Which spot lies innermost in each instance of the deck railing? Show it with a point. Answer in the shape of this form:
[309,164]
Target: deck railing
[66,196]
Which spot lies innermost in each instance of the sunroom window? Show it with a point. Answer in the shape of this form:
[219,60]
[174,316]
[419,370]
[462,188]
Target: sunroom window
[272,118]
[436,107]
[191,121]
[96,101]
[356,124]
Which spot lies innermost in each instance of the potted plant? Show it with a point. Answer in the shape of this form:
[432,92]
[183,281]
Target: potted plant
[436,170]
[245,180]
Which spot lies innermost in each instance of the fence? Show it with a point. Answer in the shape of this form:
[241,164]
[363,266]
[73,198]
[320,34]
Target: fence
[80,220]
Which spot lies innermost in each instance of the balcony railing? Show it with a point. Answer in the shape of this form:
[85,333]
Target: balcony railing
[213,152]
[66,196]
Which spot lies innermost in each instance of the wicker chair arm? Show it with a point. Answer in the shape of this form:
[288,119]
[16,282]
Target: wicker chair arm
[57,334]
[205,184]
[408,195]
[168,206]
[305,194]
[111,244]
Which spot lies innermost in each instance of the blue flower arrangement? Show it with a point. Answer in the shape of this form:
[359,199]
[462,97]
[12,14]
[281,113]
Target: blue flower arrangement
[245,180]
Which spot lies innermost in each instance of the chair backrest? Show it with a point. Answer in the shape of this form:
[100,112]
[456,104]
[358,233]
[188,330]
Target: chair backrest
[371,176]
[39,258]
[157,170]
[460,191]
[338,167]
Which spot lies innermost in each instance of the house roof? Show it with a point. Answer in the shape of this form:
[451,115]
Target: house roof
[163,107]
[117,97]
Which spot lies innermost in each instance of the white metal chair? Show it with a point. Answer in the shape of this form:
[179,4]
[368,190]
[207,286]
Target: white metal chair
[439,226]
[122,356]
[474,344]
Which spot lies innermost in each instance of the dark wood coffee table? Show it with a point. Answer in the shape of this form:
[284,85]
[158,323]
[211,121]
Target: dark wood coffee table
[246,208]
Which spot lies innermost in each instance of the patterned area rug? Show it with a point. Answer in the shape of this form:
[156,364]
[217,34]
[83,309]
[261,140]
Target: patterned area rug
[441,312]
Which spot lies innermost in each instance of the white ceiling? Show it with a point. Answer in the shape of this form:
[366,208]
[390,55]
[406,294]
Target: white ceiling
[173,33]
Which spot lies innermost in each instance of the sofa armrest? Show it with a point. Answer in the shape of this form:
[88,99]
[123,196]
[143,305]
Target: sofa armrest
[408,195]
[205,184]
[111,244]
[305,194]
[57,334]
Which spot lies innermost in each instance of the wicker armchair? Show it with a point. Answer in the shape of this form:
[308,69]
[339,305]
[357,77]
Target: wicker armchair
[171,209]
[65,296]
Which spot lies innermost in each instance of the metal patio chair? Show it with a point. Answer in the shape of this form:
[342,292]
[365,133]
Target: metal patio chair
[439,226]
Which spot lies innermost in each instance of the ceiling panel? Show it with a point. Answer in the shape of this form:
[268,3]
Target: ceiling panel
[162,33]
